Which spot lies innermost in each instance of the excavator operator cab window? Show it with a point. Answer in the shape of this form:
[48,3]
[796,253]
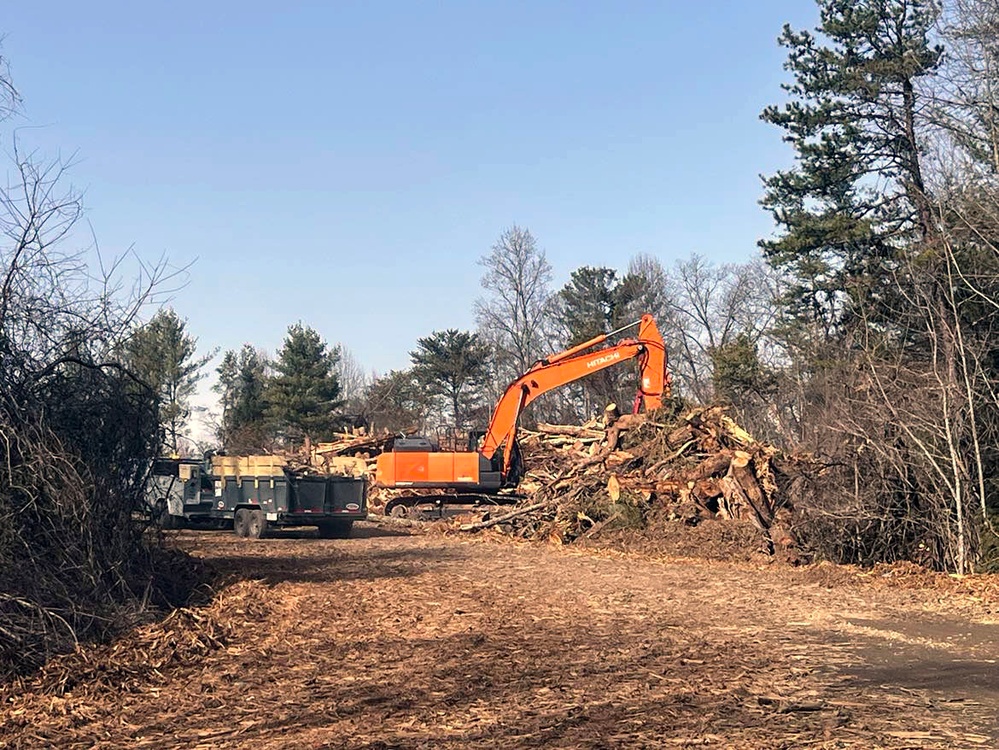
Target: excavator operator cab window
[475,439]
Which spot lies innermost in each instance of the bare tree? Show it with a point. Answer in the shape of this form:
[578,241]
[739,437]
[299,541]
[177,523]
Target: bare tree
[10,100]
[79,431]
[514,316]
[396,402]
[908,416]
[651,288]
[966,93]
[708,307]
[354,380]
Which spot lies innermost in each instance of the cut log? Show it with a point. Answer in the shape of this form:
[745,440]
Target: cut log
[681,435]
[712,466]
[621,424]
[565,429]
[741,471]
[598,527]
[505,517]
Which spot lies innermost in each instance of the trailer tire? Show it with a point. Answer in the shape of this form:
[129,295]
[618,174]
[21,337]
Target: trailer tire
[257,526]
[337,529]
[241,522]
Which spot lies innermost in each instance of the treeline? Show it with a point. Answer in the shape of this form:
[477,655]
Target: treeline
[884,357]
[866,331]
[713,316]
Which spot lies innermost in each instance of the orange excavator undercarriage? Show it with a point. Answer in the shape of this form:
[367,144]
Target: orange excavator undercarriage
[496,464]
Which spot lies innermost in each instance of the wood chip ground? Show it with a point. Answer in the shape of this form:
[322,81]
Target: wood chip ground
[445,640]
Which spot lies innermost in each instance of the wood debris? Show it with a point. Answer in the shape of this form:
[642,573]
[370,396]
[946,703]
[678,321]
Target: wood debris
[618,472]
[700,466]
[349,454]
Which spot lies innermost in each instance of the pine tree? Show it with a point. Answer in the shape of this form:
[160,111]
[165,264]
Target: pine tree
[590,303]
[304,394]
[595,301]
[241,384]
[857,193]
[453,365]
[162,354]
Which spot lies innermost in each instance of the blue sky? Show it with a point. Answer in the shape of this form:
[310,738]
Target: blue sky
[347,163]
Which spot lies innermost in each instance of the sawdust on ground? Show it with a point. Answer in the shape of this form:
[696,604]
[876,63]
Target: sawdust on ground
[399,640]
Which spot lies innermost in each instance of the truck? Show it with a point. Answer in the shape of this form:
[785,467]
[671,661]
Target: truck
[493,460]
[254,494]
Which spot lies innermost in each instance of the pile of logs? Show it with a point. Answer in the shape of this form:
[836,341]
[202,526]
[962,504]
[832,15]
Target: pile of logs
[628,470]
[624,470]
[350,454]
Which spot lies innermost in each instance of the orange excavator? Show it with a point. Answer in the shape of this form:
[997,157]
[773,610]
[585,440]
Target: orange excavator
[496,464]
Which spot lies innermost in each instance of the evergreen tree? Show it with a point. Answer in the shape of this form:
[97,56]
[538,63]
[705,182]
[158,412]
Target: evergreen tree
[590,303]
[453,365]
[737,374]
[304,394]
[593,302]
[857,192]
[241,384]
[162,354]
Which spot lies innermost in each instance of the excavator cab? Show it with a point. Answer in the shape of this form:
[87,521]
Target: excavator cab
[475,439]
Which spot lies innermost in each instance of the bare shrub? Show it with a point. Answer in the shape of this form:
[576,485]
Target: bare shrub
[77,431]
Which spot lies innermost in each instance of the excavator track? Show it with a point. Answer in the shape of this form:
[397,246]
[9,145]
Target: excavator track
[435,503]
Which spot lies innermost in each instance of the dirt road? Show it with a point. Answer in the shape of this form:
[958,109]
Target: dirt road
[391,640]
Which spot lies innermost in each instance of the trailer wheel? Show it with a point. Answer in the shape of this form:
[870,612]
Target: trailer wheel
[337,529]
[257,525]
[241,522]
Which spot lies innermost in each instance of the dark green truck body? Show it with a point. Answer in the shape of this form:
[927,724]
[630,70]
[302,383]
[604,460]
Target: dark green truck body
[181,490]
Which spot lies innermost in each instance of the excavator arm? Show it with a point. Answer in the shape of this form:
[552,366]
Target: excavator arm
[575,363]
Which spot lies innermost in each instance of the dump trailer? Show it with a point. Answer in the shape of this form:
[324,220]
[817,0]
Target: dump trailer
[254,494]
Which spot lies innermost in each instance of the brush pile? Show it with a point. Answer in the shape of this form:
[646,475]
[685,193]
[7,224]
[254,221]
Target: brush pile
[619,472]
[629,471]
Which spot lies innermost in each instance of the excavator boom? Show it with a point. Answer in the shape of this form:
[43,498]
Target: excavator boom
[574,364]
[479,471]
